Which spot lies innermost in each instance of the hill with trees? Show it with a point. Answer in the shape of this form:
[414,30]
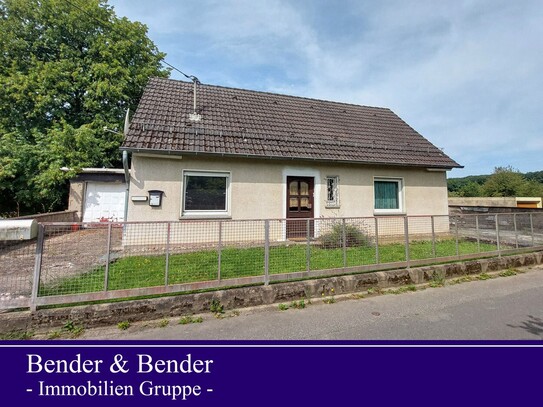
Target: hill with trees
[504,182]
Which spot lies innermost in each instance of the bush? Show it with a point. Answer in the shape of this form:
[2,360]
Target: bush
[354,236]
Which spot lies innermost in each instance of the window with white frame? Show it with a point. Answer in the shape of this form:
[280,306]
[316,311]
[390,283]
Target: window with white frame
[206,193]
[388,195]
[332,191]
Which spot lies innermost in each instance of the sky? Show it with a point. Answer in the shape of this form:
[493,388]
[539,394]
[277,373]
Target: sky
[466,74]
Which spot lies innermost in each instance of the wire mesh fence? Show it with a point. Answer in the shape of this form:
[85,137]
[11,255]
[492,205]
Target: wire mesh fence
[90,261]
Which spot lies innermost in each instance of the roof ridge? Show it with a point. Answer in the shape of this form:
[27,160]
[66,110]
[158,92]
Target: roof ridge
[273,94]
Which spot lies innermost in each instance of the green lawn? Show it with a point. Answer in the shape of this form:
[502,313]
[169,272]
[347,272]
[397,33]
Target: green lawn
[149,271]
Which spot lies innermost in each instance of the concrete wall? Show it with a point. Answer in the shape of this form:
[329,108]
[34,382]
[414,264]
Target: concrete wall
[258,187]
[62,216]
[506,202]
[76,198]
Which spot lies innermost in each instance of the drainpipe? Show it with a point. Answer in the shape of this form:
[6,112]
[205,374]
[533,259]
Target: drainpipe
[127,180]
[125,166]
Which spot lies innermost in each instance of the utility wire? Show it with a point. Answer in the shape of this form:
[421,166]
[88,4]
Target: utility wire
[112,27]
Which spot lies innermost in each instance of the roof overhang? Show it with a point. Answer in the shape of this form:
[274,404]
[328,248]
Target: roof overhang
[179,154]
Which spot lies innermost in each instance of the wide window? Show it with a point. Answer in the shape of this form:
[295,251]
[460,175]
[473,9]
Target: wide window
[205,193]
[388,195]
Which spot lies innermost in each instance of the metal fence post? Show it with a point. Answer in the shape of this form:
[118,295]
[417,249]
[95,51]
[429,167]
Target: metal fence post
[344,238]
[266,252]
[516,231]
[433,236]
[308,247]
[532,228]
[498,236]
[167,266]
[219,252]
[376,240]
[477,233]
[37,268]
[456,236]
[406,233]
[108,257]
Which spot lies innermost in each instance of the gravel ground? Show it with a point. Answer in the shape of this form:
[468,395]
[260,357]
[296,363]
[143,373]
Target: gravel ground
[65,254]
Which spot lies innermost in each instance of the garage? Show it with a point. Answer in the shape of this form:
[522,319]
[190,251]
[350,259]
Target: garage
[104,201]
[98,195]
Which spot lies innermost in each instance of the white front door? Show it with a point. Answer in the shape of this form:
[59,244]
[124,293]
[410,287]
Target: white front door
[104,201]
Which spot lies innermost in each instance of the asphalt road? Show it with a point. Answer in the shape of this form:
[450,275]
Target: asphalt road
[503,308]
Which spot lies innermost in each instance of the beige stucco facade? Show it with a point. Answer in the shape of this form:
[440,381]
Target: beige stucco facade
[258,187]
[257,191]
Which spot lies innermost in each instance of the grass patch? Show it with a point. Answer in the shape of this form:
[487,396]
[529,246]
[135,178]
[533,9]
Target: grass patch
[16,336]
[461,280]
[72,329]
[149,271]
[163,323]
[401,290]
[123,325]
[508,273]
[190,320]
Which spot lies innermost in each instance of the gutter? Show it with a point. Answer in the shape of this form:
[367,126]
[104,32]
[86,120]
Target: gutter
[255,156]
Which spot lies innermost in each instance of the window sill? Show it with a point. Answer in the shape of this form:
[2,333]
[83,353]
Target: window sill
[379,213]
[204,217]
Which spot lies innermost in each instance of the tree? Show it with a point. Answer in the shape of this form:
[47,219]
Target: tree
[507,181]
[68,69]
[470,189]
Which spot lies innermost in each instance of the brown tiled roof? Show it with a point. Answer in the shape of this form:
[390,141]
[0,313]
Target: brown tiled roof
[246,123]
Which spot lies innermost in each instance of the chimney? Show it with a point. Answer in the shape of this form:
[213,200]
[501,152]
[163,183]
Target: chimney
[194,116]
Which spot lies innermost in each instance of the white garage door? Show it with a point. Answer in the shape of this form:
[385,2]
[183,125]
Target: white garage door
[104,201]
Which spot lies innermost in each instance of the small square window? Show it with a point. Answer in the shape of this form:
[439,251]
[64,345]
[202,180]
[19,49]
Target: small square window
[205,193]
[388,195]
[332,192]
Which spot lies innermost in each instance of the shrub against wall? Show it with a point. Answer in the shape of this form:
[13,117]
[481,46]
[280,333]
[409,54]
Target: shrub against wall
[354,236]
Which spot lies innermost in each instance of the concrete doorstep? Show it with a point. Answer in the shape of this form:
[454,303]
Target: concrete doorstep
[130,311]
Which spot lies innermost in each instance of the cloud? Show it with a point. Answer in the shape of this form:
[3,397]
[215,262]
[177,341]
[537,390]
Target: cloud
[466,74]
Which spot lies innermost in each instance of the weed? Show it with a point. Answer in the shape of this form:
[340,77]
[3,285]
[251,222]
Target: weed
[297,304]
[73,329]
[328,295]
[190,320]
[124,325]
[54,335]
[508,273]
[437,280]
[484,276]
[216,307]
[283,307]
[461,280]
[17,335]
[164,323]
[230,315]
[402,290]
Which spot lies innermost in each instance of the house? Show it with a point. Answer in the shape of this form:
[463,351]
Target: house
[210,152]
